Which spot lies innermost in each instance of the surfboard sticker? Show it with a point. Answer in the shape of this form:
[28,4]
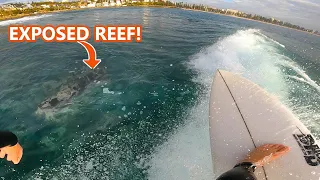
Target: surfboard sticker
[309,148]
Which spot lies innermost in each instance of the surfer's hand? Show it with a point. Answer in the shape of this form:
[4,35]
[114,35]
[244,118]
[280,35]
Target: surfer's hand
[14,153]
[266,153]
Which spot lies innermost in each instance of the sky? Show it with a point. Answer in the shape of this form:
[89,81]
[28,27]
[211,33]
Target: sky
[305,13]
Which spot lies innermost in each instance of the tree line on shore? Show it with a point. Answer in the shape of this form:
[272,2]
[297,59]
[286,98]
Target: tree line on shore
[18,9]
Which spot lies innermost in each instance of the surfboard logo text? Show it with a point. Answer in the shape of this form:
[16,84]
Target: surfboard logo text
[309,148]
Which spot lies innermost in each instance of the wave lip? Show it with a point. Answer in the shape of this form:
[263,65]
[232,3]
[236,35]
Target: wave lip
[276,42]
[300,72]
[22,20]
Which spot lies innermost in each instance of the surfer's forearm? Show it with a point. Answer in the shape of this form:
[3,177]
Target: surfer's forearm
[238,173]
[7,138]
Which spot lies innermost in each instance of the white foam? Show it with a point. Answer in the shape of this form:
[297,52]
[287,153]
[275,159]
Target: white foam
[246,52]
[186,155]
[23,20]
[107,91]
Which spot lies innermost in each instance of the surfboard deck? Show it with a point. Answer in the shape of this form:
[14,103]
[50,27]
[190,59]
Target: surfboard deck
[244,116]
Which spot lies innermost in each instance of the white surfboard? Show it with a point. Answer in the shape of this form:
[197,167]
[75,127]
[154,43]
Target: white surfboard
[244,116]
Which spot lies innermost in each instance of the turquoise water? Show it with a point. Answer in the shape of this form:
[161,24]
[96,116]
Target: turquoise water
[148,117]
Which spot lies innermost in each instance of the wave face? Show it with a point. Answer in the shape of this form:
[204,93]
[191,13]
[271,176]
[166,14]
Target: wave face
[23,20]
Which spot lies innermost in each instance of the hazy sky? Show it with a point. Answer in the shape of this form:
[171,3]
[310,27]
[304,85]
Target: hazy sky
[305,13]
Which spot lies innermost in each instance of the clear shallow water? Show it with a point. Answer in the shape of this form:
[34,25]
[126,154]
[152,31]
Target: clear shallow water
[152,121]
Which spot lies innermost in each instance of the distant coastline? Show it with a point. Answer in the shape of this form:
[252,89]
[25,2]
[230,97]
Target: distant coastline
[253,20]
[44,11]
[19,10]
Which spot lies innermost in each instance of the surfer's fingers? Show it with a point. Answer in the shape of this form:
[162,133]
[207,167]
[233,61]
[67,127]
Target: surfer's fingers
[283,149]
[276,156]
[277,147]
[16,160]
[2,153]
[9,157]
[19,156]
[266,147]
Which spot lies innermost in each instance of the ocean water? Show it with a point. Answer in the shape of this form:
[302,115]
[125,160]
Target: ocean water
[148,117]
